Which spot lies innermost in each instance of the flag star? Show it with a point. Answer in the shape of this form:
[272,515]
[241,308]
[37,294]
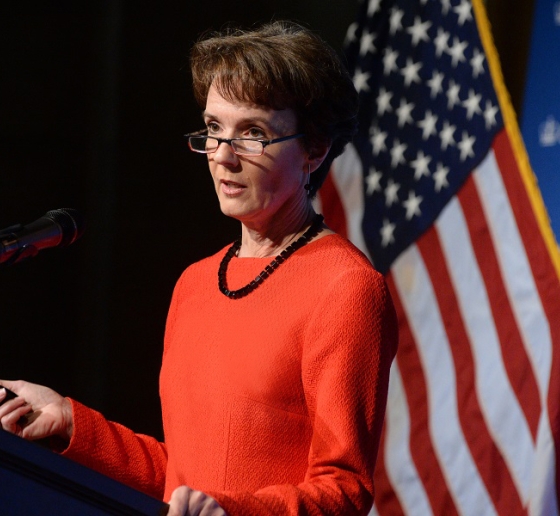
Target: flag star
[463,10]
[428,125]
[373,7]
[387,233]
[440,177]
[391,193]
[446,135]
[457,51]
[435,83]
[440,42]
[477,63]
[361,80]
[445,6]
[351,33]
[420,165]
[377,140]
[472,104]
[373,181]
[412,205]
[410,72]
[390,61]
[549,132]
[466,146]
[404,113]
[452,95]
[397,153]
[395,21]
[384,102]
[490,114]
[419,31]
[366,43]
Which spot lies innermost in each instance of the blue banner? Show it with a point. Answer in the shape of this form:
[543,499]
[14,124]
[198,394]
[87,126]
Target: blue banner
[540,124]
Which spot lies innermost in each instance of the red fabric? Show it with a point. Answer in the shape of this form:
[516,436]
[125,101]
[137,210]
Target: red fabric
[137,460]
[272,404]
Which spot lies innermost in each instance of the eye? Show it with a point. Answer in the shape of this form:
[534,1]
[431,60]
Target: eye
[212,127]
[256,133]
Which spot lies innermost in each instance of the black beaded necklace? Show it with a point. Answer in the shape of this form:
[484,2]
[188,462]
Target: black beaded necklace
[313,230]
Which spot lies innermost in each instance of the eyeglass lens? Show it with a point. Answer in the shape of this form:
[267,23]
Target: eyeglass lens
[241,146]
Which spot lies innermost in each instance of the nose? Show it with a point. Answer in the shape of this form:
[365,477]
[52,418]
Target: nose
[224,154]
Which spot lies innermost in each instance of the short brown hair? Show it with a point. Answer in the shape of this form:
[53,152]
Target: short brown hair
[282,65]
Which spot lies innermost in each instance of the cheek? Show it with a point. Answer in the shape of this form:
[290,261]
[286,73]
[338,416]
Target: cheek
[290,180]
[212,169]
[275,184]
[285,173]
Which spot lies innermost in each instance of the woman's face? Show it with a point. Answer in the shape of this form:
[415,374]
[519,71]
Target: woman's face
[259,191]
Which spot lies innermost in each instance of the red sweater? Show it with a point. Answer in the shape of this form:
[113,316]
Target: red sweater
[273,403]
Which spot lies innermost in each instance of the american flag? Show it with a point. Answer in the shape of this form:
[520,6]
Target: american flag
[438,192]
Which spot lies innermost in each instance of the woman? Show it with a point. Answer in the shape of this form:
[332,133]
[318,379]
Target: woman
[273,389]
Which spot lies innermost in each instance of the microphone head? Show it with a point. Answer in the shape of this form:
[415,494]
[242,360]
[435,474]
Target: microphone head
[71,222]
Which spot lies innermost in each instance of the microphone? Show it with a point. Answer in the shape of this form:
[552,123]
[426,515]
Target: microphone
[57,228]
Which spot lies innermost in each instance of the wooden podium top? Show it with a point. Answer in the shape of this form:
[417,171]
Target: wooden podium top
[34,480]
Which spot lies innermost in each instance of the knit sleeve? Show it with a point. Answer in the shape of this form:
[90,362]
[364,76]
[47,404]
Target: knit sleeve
[350,342]
[137,460]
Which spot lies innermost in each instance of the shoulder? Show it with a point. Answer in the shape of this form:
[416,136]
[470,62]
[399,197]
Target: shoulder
[333,269]
[334,255]
[351,299]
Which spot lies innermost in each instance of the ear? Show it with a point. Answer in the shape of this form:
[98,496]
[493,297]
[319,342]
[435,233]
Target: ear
[317,155]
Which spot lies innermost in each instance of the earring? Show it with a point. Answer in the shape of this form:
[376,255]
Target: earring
[308,186]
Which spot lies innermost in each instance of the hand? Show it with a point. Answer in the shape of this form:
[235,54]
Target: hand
[188,502]
[36,413]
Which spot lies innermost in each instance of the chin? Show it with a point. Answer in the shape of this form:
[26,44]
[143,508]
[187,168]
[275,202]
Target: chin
[235,212]
[243,216]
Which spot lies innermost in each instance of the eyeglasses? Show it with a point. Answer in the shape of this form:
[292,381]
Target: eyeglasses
[240,146]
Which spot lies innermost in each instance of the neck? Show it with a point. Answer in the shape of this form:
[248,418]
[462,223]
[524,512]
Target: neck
[268,240]
[309,234]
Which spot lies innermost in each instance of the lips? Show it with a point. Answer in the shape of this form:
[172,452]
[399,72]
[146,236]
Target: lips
[231,187]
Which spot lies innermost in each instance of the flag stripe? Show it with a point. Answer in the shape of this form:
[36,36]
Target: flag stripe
[544,259]
[502,412]
[421,444]
[330,197]
[516,268]
[543,270]
[485,453]
[384,493]
[351,194]
[400,468]
[514,355]
[417,297]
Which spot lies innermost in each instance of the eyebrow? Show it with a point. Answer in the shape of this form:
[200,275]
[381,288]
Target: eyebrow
[243,121]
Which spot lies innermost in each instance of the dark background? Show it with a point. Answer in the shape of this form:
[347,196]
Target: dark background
[94,100]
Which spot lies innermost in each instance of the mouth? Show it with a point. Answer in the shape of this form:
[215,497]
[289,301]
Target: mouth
[231,187]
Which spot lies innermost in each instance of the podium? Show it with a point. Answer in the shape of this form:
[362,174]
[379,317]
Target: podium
[37,481]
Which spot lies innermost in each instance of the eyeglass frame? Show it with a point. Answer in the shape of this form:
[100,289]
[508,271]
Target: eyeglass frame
[264,143]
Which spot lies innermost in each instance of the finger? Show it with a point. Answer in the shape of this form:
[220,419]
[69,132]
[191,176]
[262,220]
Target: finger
[6,394]
[12,422]
[211,507]
[200,504]
[10,404]
[179,501]
[9,384]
